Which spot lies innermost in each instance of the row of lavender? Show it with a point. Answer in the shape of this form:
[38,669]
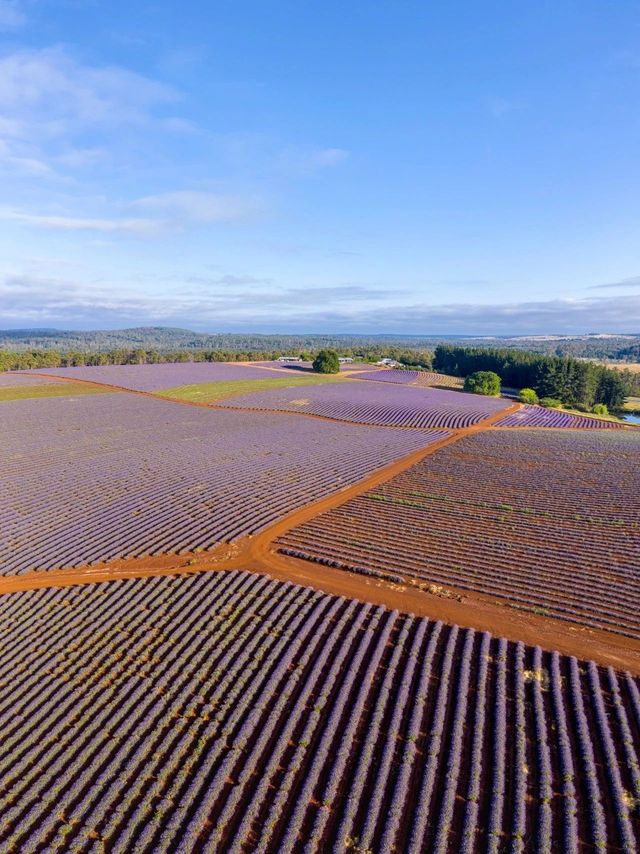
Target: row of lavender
[230,713]
[113,476]
[377,404]
[549,521]
[538,416]
[417,378]
[157,377]
[18,379]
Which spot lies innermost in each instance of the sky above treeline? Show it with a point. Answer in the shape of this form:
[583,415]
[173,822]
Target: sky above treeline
[371,166]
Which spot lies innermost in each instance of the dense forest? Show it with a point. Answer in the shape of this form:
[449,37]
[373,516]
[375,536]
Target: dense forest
[165,339]
[168,339]
[566,376]
[28,359]
[574,382]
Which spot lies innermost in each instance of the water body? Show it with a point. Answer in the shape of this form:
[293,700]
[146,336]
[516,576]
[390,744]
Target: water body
[632,419]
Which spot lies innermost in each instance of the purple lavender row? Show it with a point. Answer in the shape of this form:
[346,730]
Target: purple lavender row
[455,746]
[545,774]
[520,758]
[366,759]
[388,376]
[566,770]
[358,540]
[596,816]
[157,377]
[620,802]
[400,791]
[538,416]
[388,404]
[424,806]
[469,830]
[226,711]
[312,685]
[499,749]
[10,380]
[160,478]
[543,532]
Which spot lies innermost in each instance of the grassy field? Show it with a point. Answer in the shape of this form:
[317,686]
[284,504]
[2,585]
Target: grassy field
[26,392]
[212,391]
[590,414]
[634,367]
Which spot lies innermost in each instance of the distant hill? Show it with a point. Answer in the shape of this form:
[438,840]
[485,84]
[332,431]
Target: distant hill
[164,338]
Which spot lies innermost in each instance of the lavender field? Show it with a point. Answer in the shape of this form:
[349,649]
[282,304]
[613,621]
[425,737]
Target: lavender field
[22,378]
[387,375]
[424,379]
[544,520]
[116,475]
[538,416]
[225,712]
[157,377]
[378,404]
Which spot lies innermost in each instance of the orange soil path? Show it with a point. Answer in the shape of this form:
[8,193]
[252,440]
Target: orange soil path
[258,554]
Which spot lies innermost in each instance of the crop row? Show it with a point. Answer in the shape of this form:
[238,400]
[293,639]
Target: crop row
[230,713]
[415,378]
[92,479]
[156,377]
[386,375]
[21,378]
[548,521]
[538,416]
[378,404]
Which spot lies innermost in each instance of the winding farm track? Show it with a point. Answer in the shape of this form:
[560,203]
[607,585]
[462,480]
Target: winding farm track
[258,554]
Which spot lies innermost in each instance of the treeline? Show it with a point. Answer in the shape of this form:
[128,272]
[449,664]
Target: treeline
[28,360]
[575,383]
[165,340]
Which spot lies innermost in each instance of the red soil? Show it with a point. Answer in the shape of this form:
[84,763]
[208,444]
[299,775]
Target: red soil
[257,554]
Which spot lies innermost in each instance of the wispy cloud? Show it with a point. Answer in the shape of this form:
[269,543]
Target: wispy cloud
[70,223]
[32,300]
[49,90]
[167,212]
[299,161]
[632,282]
[50,103]
[198,206]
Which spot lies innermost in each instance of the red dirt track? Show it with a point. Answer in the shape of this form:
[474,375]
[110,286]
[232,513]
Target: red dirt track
[257,554]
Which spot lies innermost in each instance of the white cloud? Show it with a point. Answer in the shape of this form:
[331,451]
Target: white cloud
[48,90]
[56,113]
[632,282]
[299,161]
[199,206]
[168,211]
[21,162]
[69,223]
[30,299]
[11,15]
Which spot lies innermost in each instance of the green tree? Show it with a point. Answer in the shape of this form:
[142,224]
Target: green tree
[326,362]
[483,382]
[600,409]
[528,395]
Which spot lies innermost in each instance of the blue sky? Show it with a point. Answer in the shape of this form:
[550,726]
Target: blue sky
[321,166]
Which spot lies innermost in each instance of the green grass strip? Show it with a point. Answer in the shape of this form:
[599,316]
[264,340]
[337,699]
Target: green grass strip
[211,391]
[26,392]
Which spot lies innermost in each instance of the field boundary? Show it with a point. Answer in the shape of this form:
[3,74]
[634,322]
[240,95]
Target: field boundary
[230,408]
[259,554]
